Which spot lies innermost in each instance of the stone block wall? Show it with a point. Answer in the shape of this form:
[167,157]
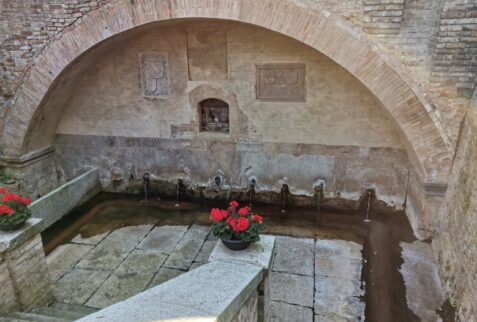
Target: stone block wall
[456,242]
[24,276]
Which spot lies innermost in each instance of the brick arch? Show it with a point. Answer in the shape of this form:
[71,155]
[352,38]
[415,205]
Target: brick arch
[426,141]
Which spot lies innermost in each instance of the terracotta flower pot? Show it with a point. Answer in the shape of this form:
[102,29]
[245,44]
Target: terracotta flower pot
[235,244]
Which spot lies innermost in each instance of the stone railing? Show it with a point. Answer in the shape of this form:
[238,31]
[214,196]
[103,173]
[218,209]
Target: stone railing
[225,289]
[62,200]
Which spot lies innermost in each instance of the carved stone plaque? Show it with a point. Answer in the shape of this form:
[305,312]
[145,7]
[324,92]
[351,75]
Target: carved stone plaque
[155,74]
[281,82]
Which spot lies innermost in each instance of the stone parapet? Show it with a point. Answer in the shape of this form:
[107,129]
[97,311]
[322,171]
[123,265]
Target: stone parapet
[24,277]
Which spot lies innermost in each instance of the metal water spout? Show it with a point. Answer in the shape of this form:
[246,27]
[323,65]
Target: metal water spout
[251,190]
[367,220]
[180,191]
[319,187]
[146,179]
[285,191]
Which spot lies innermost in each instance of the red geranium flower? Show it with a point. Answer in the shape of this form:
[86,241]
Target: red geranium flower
[9,196]
[242,224]
[218,215]
[3,190]
[243,211]
[257,218]
[233,204]
[26,201]
[6,210]
[231,221]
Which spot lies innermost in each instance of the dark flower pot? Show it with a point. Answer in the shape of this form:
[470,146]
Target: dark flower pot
[235,244]
[12,227]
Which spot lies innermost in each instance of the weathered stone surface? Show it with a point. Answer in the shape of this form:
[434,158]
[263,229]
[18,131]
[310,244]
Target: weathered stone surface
[291,288]
[281,82]
[77,286]
[12,239]
[163,239]
[282,312]
[213,291]
[155,77]
[112,250]
[294,255]
[94,240]
[63,258]
[130,278]
[187,248]
[420,271]
[351,308]
[163,275]
[62,200]
[204,253]
[338,267]
[337,286]
[331,318]
[259,253]
[338,248]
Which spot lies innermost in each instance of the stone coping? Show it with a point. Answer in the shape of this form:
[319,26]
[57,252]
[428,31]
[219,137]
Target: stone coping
[13,239]
[259,253]
[213,292]
[59,202]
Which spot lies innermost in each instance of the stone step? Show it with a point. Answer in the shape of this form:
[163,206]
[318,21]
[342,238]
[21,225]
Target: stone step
[58,313]
[35,317]
[83,310]
[7,319]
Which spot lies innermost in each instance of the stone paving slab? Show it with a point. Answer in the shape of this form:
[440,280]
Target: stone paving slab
[93,240]
[259,253]
[204,253]
[338,248]
[163,275]
[291,288]
[130,278]
[77,286]
[163,239]
[351,308]
[188,248]
[338,286]
[113,249]
[283,312]
[338,267]
[332,318]
[64,257]
[294,255]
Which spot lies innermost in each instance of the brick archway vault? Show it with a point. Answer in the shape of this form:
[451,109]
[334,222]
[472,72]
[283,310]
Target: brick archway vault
[427,143]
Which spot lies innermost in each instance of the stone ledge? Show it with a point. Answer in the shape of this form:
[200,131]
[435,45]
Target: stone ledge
[213,292]
[259,253]
[11,240]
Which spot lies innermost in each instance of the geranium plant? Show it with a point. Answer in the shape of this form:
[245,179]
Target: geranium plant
[236,223]
[13,208]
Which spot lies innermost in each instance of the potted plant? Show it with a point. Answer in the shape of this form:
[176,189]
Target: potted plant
[237,228]
[14,210]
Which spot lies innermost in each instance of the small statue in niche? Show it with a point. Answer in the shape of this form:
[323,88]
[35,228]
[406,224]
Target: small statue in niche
[214,116]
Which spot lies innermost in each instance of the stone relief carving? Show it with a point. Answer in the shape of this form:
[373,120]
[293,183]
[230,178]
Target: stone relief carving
[281,82]
[154,69]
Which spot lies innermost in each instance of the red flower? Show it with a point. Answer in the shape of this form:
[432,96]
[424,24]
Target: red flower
[9,196]
[232,222]
[233,204]
[241,225]
[3,190]
[243,211]
[218,214]
[6,210]
[26,201]
[257,218]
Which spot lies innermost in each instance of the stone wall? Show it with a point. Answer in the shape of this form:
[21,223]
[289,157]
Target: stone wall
[338,133]
[456,241]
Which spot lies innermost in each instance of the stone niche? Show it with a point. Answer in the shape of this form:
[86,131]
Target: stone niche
[214,116]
